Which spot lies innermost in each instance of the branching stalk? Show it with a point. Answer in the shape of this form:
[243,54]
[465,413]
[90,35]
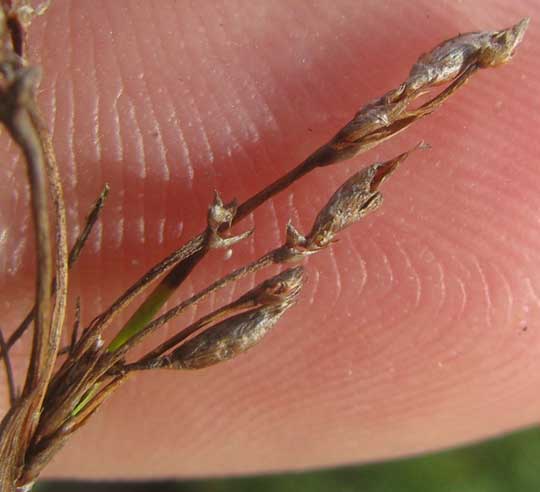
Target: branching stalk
[453,62]
[55,404]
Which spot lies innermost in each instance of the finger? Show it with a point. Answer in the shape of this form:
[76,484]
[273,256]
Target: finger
[410,335]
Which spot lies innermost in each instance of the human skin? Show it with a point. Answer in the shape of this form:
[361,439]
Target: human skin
[418,330]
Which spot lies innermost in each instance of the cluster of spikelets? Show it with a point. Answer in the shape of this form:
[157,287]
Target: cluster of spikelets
[55,403]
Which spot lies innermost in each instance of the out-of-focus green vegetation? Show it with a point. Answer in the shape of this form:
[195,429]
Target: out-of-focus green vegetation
[510,464]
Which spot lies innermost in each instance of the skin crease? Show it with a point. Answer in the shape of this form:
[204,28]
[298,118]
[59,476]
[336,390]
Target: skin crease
[417,331]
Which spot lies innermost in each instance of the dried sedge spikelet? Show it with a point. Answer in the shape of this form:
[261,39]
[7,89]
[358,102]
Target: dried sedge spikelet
[239,333]
[355,198]
[502,45]
[452,62]
[447,60]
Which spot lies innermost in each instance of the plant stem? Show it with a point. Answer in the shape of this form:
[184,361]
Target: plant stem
[9,370]
[155,300]
[74,253]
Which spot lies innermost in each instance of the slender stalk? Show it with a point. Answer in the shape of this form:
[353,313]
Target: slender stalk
[74,254]
[9,370]
[61,254]
[17,96]
[100,323]
[76,326]
[24,134]
[262,262]
[156,299]
[201,323]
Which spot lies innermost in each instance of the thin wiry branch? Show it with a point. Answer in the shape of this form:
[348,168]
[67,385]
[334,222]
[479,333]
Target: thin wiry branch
[9,370]
[17,119]
[91,220]
[74,254]
[76,326]
[101,322]
[61,254]
[16,106]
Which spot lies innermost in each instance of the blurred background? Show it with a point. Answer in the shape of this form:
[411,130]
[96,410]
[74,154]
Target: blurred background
[508,464]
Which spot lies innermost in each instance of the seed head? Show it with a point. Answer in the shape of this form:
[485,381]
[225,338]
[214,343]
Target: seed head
[356,198]
[239,333]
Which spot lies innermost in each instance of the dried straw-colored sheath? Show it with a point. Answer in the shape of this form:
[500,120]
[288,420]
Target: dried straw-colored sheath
[239,333]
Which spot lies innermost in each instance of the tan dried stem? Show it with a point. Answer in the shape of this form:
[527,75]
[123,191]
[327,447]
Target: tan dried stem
[76,326]
[14,441]
[15,98]
[74,254]
[61,250]
[9,371]
[49,446]
[17,110]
